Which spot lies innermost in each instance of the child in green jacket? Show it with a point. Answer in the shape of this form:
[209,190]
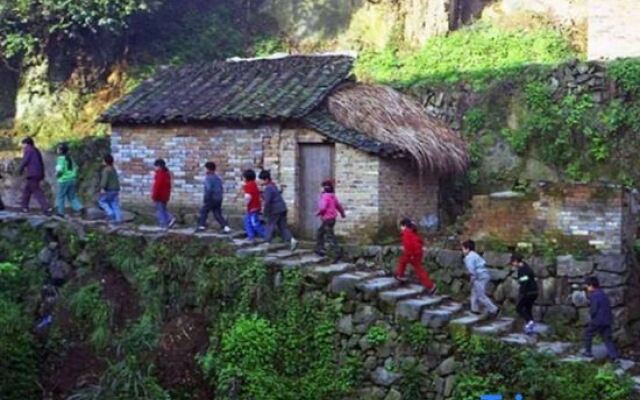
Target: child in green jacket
[67,177]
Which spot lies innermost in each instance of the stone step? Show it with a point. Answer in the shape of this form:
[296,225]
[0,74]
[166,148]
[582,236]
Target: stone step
[555,348]
[346,283]
[495,328]
[388,299]
[295,261]
[323,274]
[438,317]
[518,339]
[282,251]
[411,309]
[468,319]
[274,250]
[371,287]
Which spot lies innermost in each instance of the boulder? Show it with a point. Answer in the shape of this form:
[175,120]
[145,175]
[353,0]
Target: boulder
[499,274]
[497,260]
[616,295]
[611,263]
[539,266]
[568,266]
[451,259]
[547,288]
[345,325]
[371,393]
[365,315]
[393,395]
[383,377]
[610,279]
[447,367]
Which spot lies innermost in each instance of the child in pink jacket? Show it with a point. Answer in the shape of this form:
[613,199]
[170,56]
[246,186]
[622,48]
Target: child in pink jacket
[328,209]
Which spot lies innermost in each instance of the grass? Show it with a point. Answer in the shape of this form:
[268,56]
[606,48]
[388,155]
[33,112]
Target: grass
[475,54]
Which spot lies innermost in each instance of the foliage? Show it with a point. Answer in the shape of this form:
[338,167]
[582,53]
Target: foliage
[417,336]
[18,358]
[377,335]
[474,54]
[413,380]
[93,313]
[129,379]
[491,366]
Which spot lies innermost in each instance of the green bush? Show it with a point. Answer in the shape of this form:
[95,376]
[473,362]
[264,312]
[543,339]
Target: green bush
[377,335]
[93,314]
[476,54]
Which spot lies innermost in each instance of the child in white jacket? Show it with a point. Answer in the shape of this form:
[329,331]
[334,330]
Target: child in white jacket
[480,278]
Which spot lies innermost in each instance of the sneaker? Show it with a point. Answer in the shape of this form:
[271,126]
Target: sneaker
[400,278]
[586,354]
[294,244]
[432,291]
[529,328]
[495,314]
[48,212]
[201,229]
[171,223]
[226,229]
[320,253]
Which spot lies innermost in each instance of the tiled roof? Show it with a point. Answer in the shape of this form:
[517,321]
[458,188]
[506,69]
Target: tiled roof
[245,90]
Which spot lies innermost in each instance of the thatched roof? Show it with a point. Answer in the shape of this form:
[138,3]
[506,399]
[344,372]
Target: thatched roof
[397,121]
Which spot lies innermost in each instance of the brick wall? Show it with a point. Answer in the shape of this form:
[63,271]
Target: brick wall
[613,29]
[404,193]
[598,214]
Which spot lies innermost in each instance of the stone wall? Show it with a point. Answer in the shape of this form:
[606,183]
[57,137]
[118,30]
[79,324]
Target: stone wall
[613,29]
[598,215]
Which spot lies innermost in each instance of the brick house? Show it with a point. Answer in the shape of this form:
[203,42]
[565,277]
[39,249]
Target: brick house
[302,117]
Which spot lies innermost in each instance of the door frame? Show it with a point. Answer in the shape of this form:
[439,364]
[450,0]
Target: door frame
[299,177]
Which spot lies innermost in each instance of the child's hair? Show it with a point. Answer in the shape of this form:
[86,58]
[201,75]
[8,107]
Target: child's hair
[210,166]
[64,150]
[160,163]
[28,141]
[469,245]
[249,175]
[327,186]
[592,281]
[265,175]
[108,159]
[408,223]
[516,258]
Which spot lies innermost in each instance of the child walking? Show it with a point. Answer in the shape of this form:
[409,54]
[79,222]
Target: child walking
[479,280]
[109,199]
[328,210]
[275,210]
[161,193]
[528,291]
[67,176]
[412,253]
[252,224]
[213,193]
[601,319]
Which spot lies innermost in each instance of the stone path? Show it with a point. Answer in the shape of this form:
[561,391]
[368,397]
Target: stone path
[403,300]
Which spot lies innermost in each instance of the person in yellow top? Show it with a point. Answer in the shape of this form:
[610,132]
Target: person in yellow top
[67,177]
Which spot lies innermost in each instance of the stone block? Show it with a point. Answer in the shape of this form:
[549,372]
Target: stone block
[345,325]
[389,298]
[611,263]
[547,291]
[383,377]
[411,309]
[497,260]
[616,295]
[560,313]
[451,259]
[499,274]
[346,283]
[570,267]
[539,266]
[610,279]
[555,348]
[495,328]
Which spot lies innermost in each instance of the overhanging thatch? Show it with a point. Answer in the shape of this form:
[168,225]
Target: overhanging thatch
[396,119]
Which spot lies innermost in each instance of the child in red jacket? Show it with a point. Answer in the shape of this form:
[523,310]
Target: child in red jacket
[161,192]
[412,254]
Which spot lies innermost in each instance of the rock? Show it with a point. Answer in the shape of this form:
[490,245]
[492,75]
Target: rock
[371,393]
[393,395]
[497,260]
[468,319]
[345,325]
[364,343]
[611,263]
[495,328]
[381,376]
[59,270]
[616,295]
[389,298]
[370,363]
[447,367]
[610,279]
[518,339]
[94,214]
[548,292]
[440,316]
[449,385]
[540,267]
[451,259]
[568,266]
[385,350]
[46,256]
[411,309]
[555,348]
[346,283]
[365,315]
[324,273]
[353,341]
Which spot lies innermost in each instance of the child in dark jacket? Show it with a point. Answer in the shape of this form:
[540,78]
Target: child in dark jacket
[252,224]
[601,319]
[328,209]
[109,199]
[413,254]
[161,193]
[213,193]
[528,292]
[275,210]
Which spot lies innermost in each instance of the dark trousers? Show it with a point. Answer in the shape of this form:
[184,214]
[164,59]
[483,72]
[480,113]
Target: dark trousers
[279,222]
[605,333]
[32,187]
[327,236]
[214,207]
[1,204]
[525,305]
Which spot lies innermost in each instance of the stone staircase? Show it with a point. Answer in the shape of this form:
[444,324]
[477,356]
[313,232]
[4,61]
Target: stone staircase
[402,300]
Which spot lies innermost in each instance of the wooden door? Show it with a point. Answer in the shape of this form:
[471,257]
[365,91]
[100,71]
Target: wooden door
[316,164]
